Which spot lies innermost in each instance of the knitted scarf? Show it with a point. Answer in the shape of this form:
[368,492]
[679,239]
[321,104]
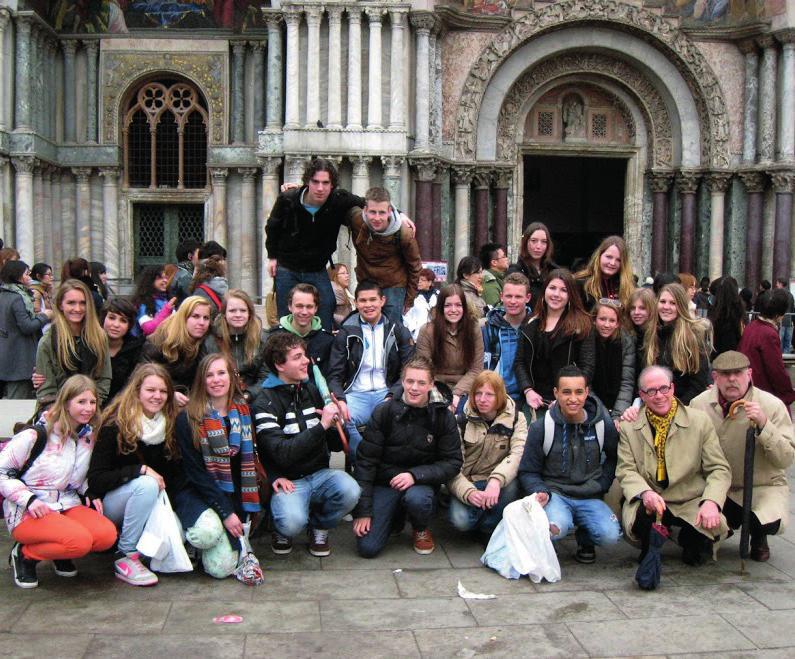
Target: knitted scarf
[661,425]
[218,449]
[25,294]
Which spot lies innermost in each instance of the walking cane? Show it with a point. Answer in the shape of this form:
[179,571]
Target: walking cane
[748,483]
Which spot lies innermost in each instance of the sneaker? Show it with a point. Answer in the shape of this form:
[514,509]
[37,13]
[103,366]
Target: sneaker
[423,542]
[318,542]
[65,568]
[281,544]
[24,569]
[130,570]
[585,554]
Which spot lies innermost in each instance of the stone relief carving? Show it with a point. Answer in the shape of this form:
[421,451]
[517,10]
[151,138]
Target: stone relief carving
[573,119]
[207,70]
[684,54]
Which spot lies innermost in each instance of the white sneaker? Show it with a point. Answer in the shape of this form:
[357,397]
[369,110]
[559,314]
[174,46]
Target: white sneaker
[130,570]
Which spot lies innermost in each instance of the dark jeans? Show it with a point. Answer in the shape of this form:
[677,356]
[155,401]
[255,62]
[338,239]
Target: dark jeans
[419,503]
[286,279]
[734,517]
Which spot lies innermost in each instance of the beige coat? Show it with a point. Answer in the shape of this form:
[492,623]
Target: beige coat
[697,468]
[456,374]
[775,451]
[490,451]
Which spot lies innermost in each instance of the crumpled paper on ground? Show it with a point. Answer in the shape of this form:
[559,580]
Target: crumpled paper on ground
[469,595]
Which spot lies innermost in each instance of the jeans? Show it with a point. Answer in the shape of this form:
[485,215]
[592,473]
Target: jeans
[395,299]
[466,517]
[419,502]
[286,279]
[320,500]
[360,405]
[128,507]
[786,339]
[596,523]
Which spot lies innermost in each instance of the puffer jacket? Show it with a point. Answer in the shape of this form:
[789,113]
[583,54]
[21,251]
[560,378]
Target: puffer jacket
[422,441]
[574,467]
[253,372]
[490,450]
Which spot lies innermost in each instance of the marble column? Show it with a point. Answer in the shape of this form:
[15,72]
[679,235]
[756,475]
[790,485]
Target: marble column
[218,176]
[248,248]
[83,210]
[292,17]
[270,192]
[687,186]
[35,70]
[314,14]
[258,53]
[393,172]
[423,23]
[58,233]
[6,221]
[718,183]
[5,18]
[293,168]
[354,68]
[462,176]
[52,104]
[786,124]
[70,118]
[23,193]
[436,218]
[482,185]
[334,67]
[91,90]
[502,180]
[660,183]
[110,220]
[766,137]
[274,109]
[238,104]
[782,247]
[48,254]
[38,213]
[751,99]
[397,100]
[374,114]
[360,178]
[423,206]
[754,182]
[22,102]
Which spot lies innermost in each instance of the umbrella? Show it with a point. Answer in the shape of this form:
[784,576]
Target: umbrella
[650,568]
[748,484]
[328,397]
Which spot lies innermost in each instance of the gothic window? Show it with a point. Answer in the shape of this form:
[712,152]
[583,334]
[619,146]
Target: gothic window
[165,137]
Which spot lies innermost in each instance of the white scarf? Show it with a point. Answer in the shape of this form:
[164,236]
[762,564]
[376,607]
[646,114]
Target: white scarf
[153,431]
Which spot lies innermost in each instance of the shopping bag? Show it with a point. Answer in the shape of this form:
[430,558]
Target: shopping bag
[521,545]
[248,569]
[162,539]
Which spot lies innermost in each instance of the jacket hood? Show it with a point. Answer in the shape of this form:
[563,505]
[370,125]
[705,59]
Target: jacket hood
[273,381]
[220,285]
[594,411]
[286,323]
[392,228]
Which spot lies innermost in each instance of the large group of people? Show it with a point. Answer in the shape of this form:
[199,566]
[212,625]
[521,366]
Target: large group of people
[517,379]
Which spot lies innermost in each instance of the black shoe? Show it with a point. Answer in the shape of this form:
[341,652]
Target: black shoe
[692,555]
[760,551]
[585,554]
[24,568]
[65,568]
[280,544]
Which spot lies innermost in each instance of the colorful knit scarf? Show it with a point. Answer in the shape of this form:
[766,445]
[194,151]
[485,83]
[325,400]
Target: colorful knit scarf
[218,449]
[661,425]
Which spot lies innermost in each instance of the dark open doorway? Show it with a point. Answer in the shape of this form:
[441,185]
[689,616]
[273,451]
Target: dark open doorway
[581,200]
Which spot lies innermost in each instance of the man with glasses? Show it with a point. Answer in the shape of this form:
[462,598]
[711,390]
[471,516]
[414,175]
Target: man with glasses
[670,465]
[773,455]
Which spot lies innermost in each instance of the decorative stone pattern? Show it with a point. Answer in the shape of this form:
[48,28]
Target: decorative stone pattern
[681,50]
[207,70]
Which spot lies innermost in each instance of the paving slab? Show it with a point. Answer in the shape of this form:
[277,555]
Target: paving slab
[258,617]
[773,629]
[444,582]
[429,613]
[399,553]
[35,646]
[538,608]
[662,635]
[313,644]
[206,646]
[11,608]
[772,595]
[682,601]
[326,584]
[99,616]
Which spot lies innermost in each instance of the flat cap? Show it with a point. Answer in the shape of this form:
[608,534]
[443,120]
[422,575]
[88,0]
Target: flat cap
[731,360]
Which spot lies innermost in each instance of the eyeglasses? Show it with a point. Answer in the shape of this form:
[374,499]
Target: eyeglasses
[655,390]
[610,302]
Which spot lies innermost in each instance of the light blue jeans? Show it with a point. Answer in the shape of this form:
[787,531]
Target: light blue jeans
[469,518]
[395,299]
[360,405]
[320,500]
[596,524]
[128,507]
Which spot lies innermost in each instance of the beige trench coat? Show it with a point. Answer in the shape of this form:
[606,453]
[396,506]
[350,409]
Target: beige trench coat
[775,451]
[697,468]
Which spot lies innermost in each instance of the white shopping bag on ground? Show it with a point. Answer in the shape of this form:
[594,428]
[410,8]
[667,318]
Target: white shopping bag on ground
[162,539]
[521,544]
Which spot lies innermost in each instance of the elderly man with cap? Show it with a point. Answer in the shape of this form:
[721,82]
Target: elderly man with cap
[670,463]
[775,446]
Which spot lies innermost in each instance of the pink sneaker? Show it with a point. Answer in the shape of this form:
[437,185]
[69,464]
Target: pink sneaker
[130,570]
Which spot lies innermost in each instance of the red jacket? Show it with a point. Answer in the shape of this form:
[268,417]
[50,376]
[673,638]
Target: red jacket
[761,344]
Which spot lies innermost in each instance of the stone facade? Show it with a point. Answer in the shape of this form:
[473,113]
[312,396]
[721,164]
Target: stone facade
[437,103]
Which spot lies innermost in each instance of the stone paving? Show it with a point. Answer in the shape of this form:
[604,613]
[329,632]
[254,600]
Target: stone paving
[403,604]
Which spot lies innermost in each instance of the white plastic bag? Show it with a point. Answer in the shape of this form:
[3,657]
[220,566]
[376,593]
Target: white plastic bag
[162,539]
[521,544]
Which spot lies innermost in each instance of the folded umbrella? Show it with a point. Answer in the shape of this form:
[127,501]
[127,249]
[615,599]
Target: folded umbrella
[748,484]
[328,397]
[650,568]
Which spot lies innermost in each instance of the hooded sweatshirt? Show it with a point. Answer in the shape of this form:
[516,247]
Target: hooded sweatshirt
[318,341]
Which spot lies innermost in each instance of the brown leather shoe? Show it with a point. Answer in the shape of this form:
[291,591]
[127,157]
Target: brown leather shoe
[423,542]
[759,550]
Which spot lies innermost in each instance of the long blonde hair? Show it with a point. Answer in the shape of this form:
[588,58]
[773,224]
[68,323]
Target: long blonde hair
[688,341]
[591,275]
[199,400]
[253,326]
[91,332]
[58,414]
[125,411]
[172,336]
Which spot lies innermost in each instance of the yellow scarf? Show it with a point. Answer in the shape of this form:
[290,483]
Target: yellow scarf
[661,425]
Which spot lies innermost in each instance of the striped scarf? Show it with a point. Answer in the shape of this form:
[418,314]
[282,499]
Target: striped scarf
[218,449]
[661,425]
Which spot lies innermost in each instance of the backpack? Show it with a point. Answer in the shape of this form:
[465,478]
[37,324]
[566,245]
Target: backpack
[35,452]
[549,433]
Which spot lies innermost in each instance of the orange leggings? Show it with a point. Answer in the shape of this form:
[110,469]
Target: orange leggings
[71,534]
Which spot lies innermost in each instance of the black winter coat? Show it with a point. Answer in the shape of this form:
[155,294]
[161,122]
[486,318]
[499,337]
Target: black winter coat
[181,371]
[123,363]
[423,441]
[535,277]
